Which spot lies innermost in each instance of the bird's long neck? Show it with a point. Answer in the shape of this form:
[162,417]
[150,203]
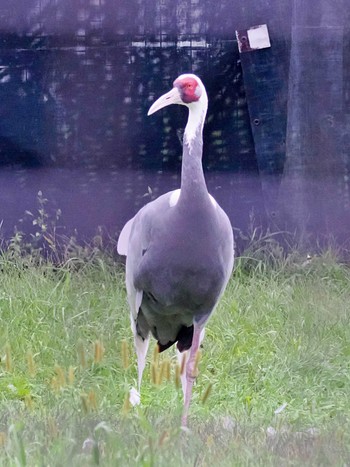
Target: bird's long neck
[193,185]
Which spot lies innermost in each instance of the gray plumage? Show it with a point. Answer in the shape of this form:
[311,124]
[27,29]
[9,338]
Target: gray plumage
[179,249]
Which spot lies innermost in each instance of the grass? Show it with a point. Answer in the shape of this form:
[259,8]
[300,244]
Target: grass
[274,373]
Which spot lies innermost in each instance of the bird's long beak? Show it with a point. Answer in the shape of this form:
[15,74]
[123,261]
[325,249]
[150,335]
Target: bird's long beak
[171,97]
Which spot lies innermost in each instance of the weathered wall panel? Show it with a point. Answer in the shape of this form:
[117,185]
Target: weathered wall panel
[265,74]
[314,194]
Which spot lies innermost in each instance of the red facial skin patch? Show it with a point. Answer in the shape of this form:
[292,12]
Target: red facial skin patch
[189,89]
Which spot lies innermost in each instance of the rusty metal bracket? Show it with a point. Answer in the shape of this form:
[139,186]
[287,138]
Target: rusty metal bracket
[254,38]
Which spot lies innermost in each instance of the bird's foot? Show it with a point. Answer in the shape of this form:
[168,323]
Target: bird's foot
[185,429]
[134,397]
[184,421]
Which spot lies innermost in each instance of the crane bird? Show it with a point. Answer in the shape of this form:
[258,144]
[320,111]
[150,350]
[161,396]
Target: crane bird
[179,250]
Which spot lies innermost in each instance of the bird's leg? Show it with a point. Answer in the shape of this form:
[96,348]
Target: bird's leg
[141,346]
[182,358]
[191,369]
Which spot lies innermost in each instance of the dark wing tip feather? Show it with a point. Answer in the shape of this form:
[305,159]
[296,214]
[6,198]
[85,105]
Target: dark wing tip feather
[184,338]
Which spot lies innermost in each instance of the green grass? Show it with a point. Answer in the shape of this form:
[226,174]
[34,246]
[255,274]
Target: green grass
[276,356]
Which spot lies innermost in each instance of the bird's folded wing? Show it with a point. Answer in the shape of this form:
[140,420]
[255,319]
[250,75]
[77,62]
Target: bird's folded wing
[123,240]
